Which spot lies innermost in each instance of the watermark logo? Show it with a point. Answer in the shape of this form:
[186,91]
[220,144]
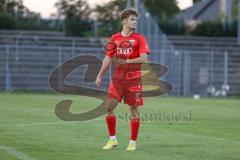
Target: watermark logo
[159,116]
[152,85]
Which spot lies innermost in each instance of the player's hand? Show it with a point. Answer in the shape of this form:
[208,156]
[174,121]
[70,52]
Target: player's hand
[99,81]
[119,61]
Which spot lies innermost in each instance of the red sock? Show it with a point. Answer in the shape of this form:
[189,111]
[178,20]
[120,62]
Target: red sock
[134,126]
[111,123]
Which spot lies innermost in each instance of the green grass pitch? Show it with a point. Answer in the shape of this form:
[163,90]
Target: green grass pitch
[29,130]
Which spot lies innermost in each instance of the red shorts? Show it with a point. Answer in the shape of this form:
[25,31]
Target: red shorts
[131,91]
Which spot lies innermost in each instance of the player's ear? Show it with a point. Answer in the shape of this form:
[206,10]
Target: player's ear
[124,21]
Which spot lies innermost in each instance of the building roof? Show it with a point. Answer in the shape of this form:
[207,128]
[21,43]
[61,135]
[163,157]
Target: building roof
[194,11]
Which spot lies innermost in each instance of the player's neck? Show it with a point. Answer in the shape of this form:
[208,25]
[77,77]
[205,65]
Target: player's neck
[126,32]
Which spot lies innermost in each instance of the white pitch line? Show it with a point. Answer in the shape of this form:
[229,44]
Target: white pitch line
[77,122]
[16,153]
[57,123]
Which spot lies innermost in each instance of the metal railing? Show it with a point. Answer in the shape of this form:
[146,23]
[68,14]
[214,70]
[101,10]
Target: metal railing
[208,69]
[190,71]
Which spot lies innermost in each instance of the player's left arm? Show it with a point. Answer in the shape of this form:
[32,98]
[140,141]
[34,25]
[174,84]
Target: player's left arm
[138,60]
[141,59]
[143,50]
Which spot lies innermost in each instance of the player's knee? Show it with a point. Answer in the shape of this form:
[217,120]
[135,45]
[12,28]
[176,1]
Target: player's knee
[110,109]
[110,106]
[134,113]
[111,113]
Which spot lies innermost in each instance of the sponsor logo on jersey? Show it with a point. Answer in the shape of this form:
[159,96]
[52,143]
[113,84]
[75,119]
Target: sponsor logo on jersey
[132,41]
[125,51]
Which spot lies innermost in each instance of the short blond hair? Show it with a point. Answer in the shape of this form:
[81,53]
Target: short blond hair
[129,11]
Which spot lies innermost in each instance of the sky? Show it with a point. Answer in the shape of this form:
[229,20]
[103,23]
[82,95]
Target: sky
[46,7]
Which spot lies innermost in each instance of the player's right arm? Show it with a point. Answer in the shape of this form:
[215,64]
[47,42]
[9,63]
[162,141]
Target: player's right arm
[105,65]
[110,51]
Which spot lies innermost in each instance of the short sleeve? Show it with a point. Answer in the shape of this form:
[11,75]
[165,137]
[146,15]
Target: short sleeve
[111,48]
[143,46]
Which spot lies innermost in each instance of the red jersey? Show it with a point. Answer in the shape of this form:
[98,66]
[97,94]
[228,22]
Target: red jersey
[127,47]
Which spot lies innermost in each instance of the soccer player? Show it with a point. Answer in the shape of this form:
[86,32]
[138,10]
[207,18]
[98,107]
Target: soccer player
[128,50]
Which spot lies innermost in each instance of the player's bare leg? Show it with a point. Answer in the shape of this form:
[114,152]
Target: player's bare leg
[135,112]
[134,125]
[111,104]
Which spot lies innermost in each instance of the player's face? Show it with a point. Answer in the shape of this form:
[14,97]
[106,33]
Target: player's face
[131,22]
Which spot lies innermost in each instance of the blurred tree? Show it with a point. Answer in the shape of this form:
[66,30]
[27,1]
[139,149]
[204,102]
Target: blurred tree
[76,16]
[162,9]
[235,9]
[11,11]
[195,1]
[6,21]
[13,7]
[30,21]
[108,16]
[215,29]
[163,12]
[73,7]
[14,15]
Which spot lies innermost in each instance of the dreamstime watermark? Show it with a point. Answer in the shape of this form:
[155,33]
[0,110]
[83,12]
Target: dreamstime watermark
[150,81]
[159,116]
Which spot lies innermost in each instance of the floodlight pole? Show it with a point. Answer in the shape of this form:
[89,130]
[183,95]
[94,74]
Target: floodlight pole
[136,4]
[129,4]
[239,22]
[229,12]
